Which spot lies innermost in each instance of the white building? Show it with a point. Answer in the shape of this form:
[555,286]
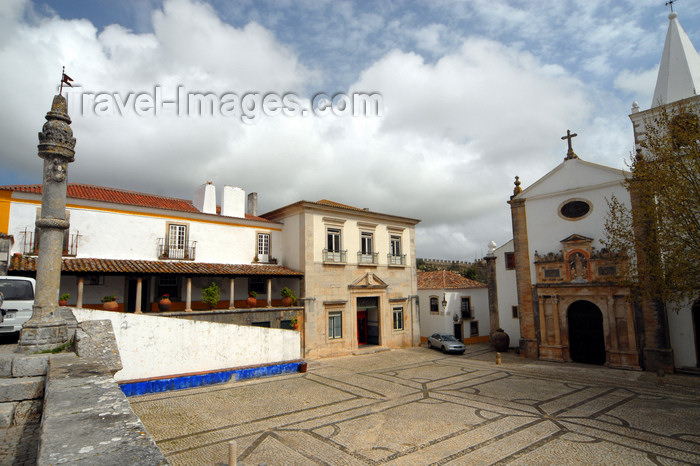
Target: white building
[359,275]
[507,295]
[570,303]
[140,246]
[453,304]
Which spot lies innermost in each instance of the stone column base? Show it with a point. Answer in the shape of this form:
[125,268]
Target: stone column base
[529,349]
[47,336]
[656,360]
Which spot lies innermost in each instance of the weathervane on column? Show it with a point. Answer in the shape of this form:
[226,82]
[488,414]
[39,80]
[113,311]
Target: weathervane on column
[670,3]
[47,329]
[65,79]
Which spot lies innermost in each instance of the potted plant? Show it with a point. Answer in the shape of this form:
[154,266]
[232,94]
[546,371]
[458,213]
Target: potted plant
[295,323]
[252,299]
[164,303]
[500,340]
[288,297]
[109,303]
[210,295]
[63,299]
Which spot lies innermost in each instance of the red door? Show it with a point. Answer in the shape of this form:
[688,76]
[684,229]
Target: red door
[361,327]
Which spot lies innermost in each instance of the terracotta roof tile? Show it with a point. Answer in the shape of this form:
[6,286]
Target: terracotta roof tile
[120,196]
[445,280]
[337,204]
[20,263]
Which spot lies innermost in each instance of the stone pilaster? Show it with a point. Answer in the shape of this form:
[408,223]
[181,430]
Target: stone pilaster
[494,320]
[47,329]
[655,341]
[528,332]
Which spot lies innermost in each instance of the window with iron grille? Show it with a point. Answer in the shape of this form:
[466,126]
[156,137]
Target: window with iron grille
[514,310]
[466,307]
[257,284]
[474,328]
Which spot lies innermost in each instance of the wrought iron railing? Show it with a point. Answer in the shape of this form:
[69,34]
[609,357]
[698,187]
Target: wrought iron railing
[466,314]
[372,258]
[338,257]
[185,253]
[396,260]
[30,245]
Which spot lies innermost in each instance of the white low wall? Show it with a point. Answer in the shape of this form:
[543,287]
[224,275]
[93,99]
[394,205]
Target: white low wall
[155,346]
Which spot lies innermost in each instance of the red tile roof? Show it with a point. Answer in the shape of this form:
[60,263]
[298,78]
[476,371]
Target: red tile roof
[445,280]
[120,196]
[338,204]
[124,266]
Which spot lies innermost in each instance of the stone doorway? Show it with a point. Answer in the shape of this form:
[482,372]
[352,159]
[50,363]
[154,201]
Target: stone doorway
[369,307]
[586,336]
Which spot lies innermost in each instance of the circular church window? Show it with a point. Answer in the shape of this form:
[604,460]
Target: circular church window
[575,209]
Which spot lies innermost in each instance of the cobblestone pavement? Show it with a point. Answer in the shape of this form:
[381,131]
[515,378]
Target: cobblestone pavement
[417,406]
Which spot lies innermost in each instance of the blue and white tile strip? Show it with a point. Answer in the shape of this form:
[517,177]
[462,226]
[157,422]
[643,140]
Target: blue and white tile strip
[191,381]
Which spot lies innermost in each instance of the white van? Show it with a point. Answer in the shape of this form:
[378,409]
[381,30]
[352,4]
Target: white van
[17,303]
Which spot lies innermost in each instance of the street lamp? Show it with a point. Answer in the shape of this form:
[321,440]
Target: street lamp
[444,302]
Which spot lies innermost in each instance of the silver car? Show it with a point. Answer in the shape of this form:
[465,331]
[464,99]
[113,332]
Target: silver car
[17,296]
[446,342]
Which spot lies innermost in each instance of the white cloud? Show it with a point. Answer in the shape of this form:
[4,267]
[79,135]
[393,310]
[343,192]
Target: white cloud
[461,116]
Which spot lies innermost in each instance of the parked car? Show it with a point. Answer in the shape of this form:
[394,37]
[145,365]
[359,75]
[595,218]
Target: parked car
[17,303]
[446,342]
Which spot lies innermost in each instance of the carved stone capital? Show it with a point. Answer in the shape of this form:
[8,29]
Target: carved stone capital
[55,223]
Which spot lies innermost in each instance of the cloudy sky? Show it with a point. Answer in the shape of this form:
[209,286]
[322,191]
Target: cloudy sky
[472,94]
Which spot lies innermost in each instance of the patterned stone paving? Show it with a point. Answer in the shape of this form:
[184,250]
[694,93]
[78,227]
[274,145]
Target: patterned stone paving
[418,406]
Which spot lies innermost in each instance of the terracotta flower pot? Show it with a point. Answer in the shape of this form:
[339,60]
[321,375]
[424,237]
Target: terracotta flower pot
[295,326]
[63,302]
[110,306]
[252,302]
[164,305]
[287,301]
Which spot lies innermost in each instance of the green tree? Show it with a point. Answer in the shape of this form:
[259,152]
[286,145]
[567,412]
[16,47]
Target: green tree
[661,237]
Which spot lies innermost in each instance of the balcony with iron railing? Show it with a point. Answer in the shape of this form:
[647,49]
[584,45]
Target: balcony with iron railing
[185,252]
[396,261]
[466,314]
[367,259]
[334,257]
[30,244]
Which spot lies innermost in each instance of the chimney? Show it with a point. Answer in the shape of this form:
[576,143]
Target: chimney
[233,202]
[253,204]
[205,198]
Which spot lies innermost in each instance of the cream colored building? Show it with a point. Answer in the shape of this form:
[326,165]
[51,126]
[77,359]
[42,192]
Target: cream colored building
[359,285]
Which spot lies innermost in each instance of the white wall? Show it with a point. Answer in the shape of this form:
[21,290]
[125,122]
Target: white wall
[350,238]
[507,294]
[575,179]
[444,321]
[682,334]
[129,235]
[153,346]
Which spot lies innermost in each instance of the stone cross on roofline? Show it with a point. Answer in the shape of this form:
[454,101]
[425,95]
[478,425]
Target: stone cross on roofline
[570,154]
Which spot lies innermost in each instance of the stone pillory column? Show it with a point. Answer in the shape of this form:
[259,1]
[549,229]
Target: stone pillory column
[46,329]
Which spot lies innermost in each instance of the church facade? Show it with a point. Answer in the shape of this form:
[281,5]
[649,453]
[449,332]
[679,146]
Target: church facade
[571,303]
